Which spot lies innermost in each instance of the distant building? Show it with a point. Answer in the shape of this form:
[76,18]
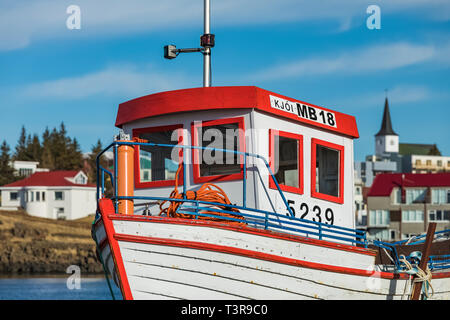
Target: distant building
[391,156]
[425,163]
[360,205]
[53,194]
[401,205]
[385,159]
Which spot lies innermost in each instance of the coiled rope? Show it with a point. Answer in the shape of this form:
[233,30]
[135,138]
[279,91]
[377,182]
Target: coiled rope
[207,192]
[420,276]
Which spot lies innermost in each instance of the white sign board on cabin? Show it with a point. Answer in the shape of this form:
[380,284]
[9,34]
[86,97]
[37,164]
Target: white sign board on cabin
[304,111]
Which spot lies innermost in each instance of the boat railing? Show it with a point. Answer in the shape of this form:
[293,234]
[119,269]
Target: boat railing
[254,217]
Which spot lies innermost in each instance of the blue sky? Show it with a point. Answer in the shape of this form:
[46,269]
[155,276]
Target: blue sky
[317,51]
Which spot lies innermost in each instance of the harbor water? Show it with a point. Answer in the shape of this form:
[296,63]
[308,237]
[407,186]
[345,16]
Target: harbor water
[56,287]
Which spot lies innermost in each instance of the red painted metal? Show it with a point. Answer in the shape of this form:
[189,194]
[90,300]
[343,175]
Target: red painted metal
[154,184]
[195,152]
[299,138]
[219,98]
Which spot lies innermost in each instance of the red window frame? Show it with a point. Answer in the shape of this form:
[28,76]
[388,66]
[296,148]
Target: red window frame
[195,152]
[339,199]
[152,184]
[299,138]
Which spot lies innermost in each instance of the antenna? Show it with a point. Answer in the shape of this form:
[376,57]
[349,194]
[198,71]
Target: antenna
[207,41]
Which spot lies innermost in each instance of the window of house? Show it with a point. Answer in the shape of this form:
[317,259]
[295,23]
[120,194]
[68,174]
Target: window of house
[379,217]
[156,166]
[327,174]
[412,216]
[439,196]
[31,196]
[415,195]
[418,162]
[59,195]
[428,162]
[216,165]
[439,163]
[38,196]
[81,179]
[13,196]
[380,234]
[286,160]
[25,172]
[43,195]
[397,195]
[439,215]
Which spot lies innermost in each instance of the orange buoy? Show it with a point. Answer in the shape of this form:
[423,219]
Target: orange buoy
[125,177]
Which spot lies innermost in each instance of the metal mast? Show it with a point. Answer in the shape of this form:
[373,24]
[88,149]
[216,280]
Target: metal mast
[207,51]
[206,42]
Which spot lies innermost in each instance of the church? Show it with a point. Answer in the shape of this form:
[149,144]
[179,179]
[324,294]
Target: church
[391,156]
[402,187]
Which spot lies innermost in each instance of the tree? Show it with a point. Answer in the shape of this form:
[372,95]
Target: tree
[21,146]
[6,170]
[92,161]
[34,148]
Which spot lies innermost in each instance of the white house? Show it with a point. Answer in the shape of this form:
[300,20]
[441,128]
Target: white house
[53,194]
[26,168]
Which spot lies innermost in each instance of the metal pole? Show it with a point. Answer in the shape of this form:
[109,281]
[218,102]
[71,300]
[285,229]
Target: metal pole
[207,51]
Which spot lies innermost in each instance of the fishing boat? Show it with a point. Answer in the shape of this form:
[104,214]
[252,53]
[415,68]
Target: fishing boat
[243,193]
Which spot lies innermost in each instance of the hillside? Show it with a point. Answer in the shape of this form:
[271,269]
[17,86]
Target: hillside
[36,245]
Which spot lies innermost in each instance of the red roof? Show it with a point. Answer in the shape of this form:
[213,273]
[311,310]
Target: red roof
[49,179]
[384,182]
[210,98]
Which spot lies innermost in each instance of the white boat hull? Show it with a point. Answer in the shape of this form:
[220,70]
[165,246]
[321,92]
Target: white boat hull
[167,258]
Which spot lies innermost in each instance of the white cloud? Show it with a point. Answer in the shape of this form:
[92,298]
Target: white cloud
[125,80]
[25,21]
[369,59]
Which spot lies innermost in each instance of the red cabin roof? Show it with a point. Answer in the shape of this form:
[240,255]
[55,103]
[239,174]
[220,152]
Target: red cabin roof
[384,182]
[209,98]
[49,179]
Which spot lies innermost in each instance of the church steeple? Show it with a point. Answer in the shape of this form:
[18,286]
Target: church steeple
[386,124]
[386,140]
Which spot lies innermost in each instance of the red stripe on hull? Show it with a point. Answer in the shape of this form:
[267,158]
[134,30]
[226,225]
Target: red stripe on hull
[245,229]
[256,255]
[107,208]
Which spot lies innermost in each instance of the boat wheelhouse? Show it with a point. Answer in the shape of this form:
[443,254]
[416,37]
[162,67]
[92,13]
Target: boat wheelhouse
[239,193]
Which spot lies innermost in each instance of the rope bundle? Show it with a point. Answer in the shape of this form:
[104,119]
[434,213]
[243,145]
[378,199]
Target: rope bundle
[207,192]
[420,276]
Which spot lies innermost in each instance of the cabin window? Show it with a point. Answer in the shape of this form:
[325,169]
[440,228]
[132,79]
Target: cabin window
[286,160]
[216,165]
[156,166]
[13,196]
[327,174]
